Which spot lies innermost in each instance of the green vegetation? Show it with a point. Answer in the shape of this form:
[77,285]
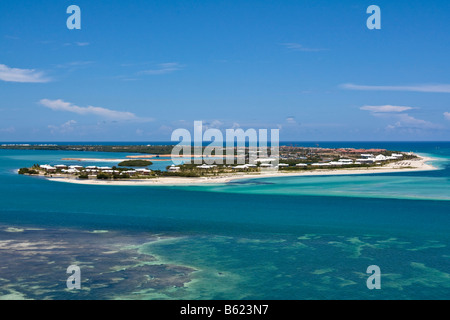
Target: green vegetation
[159,150]
[289,155]
[192,170]
[103,176]
[293,162]
[135,163]
[27,171]
[122,176]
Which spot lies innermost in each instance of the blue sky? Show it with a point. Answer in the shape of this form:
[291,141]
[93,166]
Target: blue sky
[137,70]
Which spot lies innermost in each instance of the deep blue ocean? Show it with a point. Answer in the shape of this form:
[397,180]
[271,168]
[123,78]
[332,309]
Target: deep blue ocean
[272,238]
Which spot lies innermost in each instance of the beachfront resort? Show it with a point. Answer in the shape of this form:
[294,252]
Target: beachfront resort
[290,159]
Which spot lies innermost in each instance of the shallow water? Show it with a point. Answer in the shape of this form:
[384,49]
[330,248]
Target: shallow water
[276,238]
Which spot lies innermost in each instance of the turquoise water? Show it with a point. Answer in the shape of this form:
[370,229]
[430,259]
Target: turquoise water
[425,186]
[275,238]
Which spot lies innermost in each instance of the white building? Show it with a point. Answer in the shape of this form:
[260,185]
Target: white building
[366,160]
[48,168]
[70,171]
[397,155]
[380,157]
[205,166]
[321,164]
[145,172]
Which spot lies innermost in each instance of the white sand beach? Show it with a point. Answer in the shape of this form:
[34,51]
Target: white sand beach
[419,164]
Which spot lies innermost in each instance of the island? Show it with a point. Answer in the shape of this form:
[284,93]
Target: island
[290,161]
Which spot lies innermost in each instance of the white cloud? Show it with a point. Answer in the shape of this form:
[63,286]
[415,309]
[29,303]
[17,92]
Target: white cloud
[385,108]
[298,47]
[214,124]
[291,120]
[60,105]
[436,88]
[74,64]
[163,68]
[79,44]
[8,130]
[21,75]
[405,120]
[447,115]
[235,125]
[64,128]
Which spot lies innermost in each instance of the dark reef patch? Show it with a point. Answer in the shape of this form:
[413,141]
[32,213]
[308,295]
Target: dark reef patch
[34,264]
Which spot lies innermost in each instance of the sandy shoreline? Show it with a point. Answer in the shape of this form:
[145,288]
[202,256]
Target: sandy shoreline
[419,164]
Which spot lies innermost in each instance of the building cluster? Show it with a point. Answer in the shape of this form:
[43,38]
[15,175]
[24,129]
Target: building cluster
[364,159]
[269,163]
[92,170]
[370,158]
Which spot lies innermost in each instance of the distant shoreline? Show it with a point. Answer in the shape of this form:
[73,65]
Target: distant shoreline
[419,164]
